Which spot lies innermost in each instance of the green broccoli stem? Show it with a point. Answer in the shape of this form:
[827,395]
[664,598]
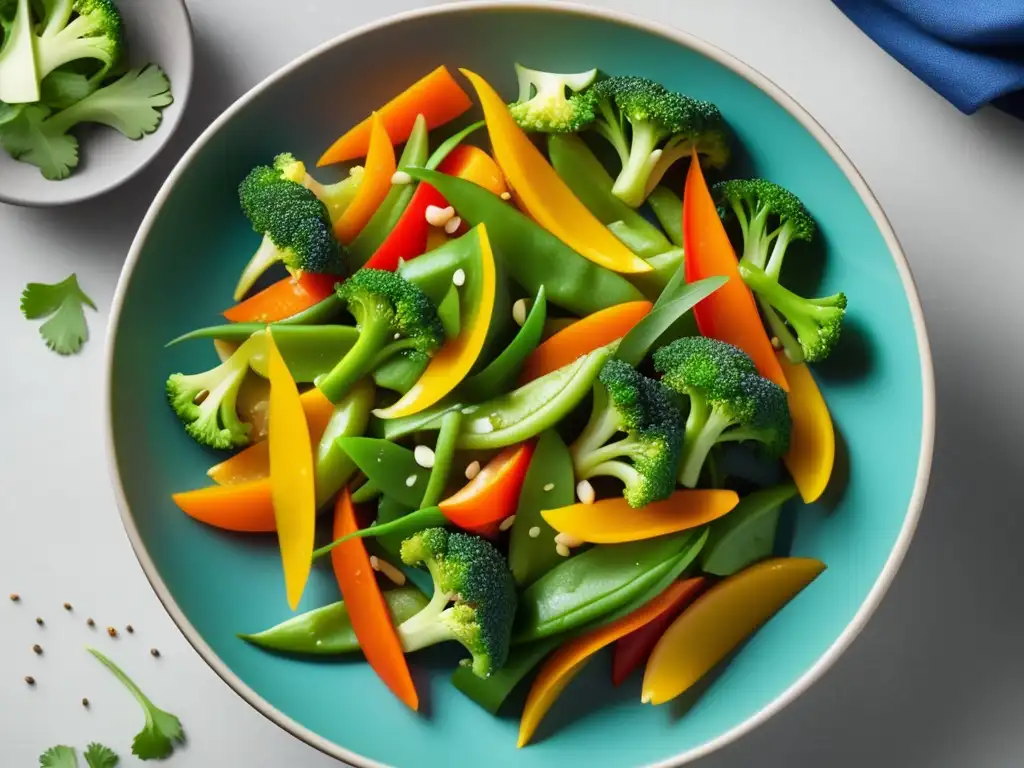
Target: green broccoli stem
[790,344]
[600,428]
[704,428]
[365,355]
[426,627]
[610,127]
[606,454]
[19,74]
[58,17]
[756,238]
[71,44]
[783,236]
[631,183]
[797,310]
[265,257]
[620,470]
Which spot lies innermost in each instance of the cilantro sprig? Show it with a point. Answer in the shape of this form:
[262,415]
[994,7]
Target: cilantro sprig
[99,756]
[58,757]
[62,302]
[156,739]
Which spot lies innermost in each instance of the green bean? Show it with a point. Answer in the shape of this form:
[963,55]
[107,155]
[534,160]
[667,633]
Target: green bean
[444,453]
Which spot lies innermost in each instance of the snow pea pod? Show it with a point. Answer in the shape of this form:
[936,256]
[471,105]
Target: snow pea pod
[333,466]
[389,510]
[668,209]
[531,255]
[328,631]
[428,420]
[596,583]
[399,372]
[663,267]
[390,211]
[448,312]
[747,534]
[502,372]
[444,453]
[490,692]
[432,272]
[365,492]
[525,412]
[309,350]
[390,467]
[592,184]
[549,484]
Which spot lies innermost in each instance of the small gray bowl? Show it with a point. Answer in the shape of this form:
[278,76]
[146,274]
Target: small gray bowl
[157,32]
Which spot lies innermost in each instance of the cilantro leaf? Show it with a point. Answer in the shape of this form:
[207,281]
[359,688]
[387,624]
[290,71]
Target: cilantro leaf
[58,757]
[99,756]
[66,330]
[156,739]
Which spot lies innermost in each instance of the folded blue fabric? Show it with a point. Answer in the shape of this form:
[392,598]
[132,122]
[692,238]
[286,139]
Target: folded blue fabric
[970,51]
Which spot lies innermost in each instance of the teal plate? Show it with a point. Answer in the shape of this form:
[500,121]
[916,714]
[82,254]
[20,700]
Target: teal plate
[180,273]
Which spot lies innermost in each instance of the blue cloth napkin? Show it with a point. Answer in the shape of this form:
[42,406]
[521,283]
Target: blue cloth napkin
[970,51]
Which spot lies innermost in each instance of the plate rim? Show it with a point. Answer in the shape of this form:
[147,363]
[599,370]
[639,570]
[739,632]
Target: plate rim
[733,64]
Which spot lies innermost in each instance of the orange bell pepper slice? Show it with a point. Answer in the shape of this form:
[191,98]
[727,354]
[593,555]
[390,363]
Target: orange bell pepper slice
[730,313]
[291,475]
[493,495]
[437,97]
[613,521]
[634,649]
[583,337]
[812,440]
[721,619]
[376,183]
[244,507]
[565,663]
[254,462]
[367,610]
[473,164]
[284,298]
[542,194]
[456,358]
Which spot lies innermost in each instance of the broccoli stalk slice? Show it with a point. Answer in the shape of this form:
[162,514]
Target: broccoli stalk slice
[266,256]
[704,427]
[642,156]
[817,322]
[19,73]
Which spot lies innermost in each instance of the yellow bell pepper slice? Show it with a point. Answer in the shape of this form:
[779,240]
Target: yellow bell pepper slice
[541,193]
[719,620]
[376,183]
[812,442]
[564,664]
[291,475]
[254,462]
[456,358]
[613,521]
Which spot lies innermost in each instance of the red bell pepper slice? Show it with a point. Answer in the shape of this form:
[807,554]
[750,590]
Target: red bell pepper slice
[730,313]
[493,495]
[409,237]
[283,299]
[632,650]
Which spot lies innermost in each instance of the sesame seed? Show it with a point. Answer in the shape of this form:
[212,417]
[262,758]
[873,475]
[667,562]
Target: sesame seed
[485,427]
[15,597]
[111,631]
[776,343]
[562,550]
[154,652]
[519,311]
[67,606]
[374,563]
[453,225]
[390,572]
[459,278]
[397,336]
[37,649]
[438,217]
[549,486]
[30,680]
[424,456]
[506,196]
[569,541]
[401,177]
[534,532]
[472,470]
[410,481]
[585,492]
[507,523]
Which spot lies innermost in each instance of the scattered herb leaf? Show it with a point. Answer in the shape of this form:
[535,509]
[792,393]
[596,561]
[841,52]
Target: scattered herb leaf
[66,330]
[58,757]
[156,739]
[99,756]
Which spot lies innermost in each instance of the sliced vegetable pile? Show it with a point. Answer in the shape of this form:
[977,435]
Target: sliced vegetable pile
[496,367]
[62,63]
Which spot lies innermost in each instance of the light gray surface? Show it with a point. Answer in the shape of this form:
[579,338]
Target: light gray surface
[157,32]
[935,680]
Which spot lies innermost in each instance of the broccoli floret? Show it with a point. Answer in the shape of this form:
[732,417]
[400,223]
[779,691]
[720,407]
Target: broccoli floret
[130,105]
[335,196]
[553,103]
[394,316]
[206,402]
[295,225]
[729,401]
[650,128]
[67,31]
[627,401]
[770,219]
[469,572]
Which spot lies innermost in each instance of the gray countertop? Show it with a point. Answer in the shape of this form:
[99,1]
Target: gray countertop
[936,679]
